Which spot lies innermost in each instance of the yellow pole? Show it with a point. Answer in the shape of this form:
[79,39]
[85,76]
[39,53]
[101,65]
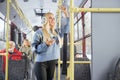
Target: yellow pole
[55,74]
[96,9]
[59,13]
[59,19]
[78,62]
[7,37]
[71,40]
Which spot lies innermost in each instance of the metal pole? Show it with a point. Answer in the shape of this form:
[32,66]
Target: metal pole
[71,40]
[59,19]
[7,37]
[55,74]
[96,9]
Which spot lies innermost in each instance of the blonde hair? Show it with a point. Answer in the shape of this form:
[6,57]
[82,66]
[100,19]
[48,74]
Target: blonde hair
[45,32]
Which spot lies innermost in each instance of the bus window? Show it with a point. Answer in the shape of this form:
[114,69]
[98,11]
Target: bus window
[2,29]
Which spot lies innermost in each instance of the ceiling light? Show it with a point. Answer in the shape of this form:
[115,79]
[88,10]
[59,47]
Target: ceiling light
[25,0]
[54,1]
[39,11]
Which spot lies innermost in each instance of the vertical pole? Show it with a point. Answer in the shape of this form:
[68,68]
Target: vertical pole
[71,40]
[64,65]
[59,18]
[55,74]
[7,37]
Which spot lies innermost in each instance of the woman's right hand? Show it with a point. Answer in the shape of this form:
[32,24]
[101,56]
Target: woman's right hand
[64,10]
[49,42]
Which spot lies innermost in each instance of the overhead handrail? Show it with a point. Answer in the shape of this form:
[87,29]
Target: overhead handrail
[20,13]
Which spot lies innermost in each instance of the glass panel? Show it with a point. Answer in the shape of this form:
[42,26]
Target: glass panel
[16,35]
[79,47]
[79,15]
[88,4]
[87,23]
[1,29]
[80,29]
[2,45]
[75,19]
[75,32]
[88,47]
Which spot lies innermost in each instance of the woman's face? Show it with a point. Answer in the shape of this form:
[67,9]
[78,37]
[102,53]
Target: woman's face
[51,20]
[26,43]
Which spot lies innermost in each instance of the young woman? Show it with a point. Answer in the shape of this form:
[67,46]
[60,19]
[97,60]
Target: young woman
[46,44]
[26,48]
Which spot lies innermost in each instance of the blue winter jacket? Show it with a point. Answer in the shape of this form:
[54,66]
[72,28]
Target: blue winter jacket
[44,52]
